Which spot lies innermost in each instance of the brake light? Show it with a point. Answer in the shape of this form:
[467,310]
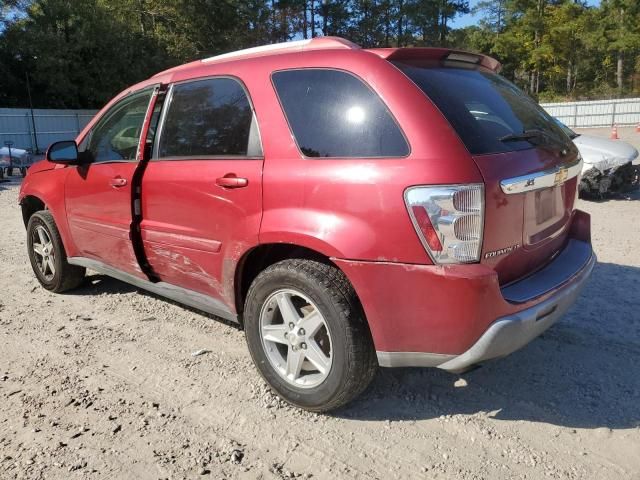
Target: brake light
[424,224]
[449,220]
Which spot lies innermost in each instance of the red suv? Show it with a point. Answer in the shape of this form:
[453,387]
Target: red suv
[349,208]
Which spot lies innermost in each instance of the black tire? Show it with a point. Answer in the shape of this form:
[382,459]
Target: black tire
[9,171]
[354,362]
[66,276]
[23,172]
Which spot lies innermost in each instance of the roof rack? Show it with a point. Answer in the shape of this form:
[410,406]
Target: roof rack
[317,43]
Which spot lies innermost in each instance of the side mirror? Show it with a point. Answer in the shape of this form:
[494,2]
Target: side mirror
[63,152]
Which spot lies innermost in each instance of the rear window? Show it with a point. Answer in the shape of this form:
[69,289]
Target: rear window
[485,109]
[334,114]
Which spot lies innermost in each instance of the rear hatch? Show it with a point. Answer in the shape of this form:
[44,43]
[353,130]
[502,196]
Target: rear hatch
[528,163]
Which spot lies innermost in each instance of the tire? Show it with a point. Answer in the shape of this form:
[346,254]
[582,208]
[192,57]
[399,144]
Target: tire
[42,230]
[9,171]
[23,172]
[344,337]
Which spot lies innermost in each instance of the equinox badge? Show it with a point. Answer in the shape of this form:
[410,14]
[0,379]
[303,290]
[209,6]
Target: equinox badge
[502,251]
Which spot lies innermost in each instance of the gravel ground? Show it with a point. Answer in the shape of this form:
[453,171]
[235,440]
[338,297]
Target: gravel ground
[101,383]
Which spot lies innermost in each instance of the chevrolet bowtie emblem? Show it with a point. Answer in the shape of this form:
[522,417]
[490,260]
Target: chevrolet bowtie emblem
[561,176]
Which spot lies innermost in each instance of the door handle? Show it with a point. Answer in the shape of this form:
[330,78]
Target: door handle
[118,182]
[231,181]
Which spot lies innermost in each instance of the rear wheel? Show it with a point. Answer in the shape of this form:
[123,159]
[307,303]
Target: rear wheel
[307,334]
[48,257]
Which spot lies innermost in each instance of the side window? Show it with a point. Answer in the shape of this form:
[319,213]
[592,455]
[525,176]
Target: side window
[334,114]
[116,135]
[210,117]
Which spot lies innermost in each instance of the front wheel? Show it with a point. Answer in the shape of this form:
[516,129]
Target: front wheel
[307,334]
[48,257]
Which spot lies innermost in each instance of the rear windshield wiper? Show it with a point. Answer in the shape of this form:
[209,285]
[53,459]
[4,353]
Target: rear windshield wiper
[526,135]
[534,133]
[539,135]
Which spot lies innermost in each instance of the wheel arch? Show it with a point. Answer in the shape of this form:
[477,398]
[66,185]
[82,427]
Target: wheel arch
[264,255]
[31,204]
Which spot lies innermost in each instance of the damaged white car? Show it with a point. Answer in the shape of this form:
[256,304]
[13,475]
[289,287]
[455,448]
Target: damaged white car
[609,165]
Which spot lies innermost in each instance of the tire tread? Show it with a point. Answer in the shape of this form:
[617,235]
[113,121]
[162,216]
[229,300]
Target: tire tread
[362,362]
[71,276]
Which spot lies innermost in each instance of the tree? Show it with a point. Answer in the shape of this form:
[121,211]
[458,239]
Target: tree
[620,29]
[495,15]
[79,53]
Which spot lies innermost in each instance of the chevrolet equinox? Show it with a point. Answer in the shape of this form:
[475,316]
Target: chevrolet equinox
[350,208]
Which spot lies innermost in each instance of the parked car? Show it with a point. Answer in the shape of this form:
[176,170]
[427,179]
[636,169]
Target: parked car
[609,165]
[14,158]
[345,206]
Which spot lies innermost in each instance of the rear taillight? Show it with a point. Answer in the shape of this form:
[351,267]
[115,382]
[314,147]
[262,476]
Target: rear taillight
[449,220]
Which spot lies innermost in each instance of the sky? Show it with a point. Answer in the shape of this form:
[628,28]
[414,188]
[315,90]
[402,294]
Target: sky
[469,19]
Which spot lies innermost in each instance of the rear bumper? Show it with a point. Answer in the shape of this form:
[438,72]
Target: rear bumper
[504,336]
[457,316]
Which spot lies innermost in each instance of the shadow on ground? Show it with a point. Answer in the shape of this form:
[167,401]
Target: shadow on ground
[96,284]
[6,183]
[581,373]
[10,183]
[633,194]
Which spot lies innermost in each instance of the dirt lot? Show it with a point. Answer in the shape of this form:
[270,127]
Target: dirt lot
[101,383]
[628,134]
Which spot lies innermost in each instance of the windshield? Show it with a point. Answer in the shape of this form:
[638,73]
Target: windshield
[486,110]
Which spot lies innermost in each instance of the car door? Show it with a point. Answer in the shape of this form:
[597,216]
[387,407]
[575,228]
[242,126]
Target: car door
[202,189]
[98,191]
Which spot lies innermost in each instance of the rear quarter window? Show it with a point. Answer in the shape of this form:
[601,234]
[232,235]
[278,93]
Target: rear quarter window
[332,113]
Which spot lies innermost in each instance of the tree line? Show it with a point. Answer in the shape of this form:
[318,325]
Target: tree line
[79,53]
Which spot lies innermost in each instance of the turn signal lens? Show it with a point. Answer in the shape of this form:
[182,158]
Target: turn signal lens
[449,220]
[424,224]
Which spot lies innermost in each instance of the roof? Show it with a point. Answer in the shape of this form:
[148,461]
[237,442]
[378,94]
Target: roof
[317,43]
[337,43]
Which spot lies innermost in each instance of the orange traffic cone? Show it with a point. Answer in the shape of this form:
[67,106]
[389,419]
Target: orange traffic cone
[614,133]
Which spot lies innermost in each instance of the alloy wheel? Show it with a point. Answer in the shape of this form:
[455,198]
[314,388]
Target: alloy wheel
[296,338]
[44,252]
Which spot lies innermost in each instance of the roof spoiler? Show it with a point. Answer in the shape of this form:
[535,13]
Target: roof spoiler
[439,54]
